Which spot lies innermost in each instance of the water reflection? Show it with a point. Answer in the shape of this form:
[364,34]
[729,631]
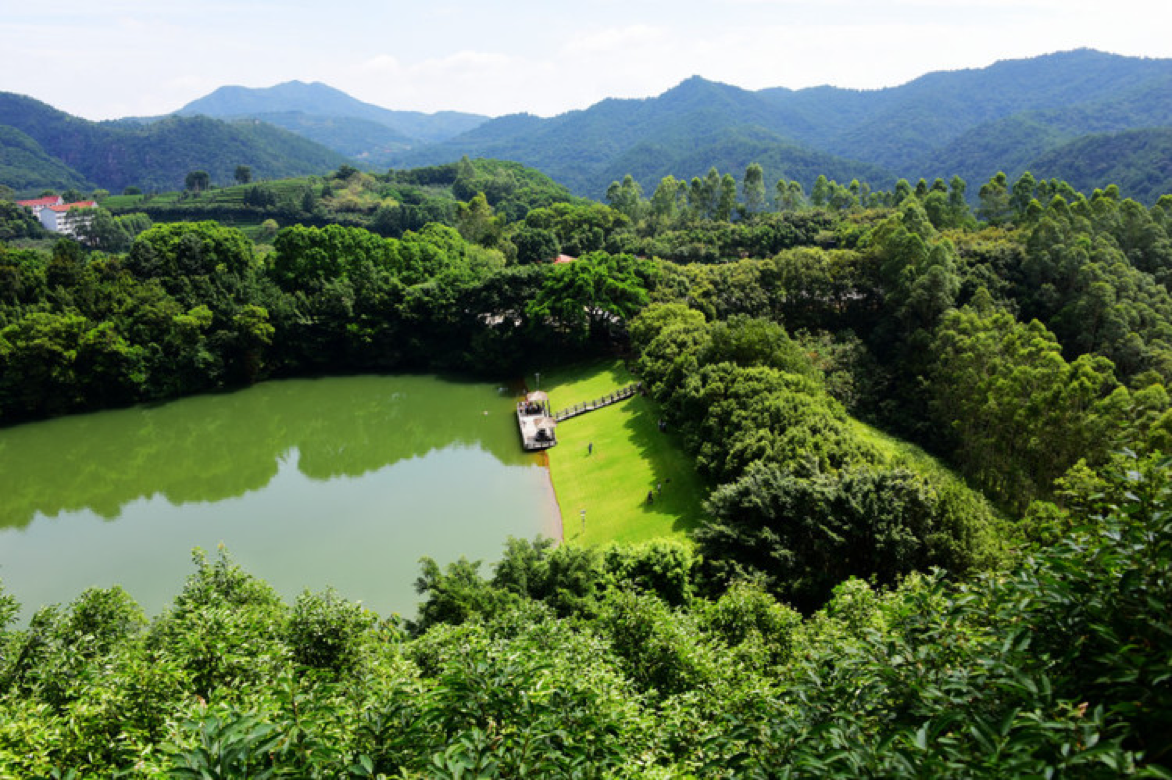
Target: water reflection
[343,482]
[211,448]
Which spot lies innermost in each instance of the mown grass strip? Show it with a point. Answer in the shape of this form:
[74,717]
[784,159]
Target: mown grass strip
[630,458]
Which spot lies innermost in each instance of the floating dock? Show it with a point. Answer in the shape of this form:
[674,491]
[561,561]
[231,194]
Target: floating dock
[536,423]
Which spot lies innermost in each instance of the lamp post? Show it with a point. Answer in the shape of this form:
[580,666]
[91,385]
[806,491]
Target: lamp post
[538,375]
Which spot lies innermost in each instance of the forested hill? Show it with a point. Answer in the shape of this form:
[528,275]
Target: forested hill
[25,165]
[681,132]
[1139,160]
[364,141]
[158,155]
[933,109]
[1007,116]
[1035,141]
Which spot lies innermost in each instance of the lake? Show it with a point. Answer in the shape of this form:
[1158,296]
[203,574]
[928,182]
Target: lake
[307,483]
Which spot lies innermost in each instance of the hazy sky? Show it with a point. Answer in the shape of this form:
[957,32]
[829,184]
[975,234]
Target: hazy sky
[116,58]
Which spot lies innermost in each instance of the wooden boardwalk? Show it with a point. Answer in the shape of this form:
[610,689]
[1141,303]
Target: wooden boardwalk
[606,400]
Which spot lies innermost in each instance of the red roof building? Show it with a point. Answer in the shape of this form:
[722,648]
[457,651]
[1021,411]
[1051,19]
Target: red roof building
[39,203]
[81,204]
[60,217]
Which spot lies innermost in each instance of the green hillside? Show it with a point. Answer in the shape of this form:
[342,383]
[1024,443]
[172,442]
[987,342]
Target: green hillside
[934,109]
[674,133]
[1139,161]
[732,149]
[159,155]
[25,166]
[1013,143]
[362,140]
[390,203]
[1008,145]
[971,122]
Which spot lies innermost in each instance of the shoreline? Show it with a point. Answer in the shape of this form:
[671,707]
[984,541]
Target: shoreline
[556,526]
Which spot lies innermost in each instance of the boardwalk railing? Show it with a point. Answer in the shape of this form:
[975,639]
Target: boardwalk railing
[598,403]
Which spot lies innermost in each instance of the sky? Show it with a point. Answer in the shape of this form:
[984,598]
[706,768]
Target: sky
[115,58]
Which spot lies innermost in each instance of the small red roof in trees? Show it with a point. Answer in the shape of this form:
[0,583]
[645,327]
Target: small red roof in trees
[564,259]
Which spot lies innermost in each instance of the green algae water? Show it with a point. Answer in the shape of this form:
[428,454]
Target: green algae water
[342,482]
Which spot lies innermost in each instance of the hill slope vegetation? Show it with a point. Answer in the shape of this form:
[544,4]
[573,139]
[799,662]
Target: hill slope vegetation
[158,155]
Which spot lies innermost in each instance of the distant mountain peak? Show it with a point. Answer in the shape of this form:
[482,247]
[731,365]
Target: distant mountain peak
[698,89]
[296,85]
[311,98]
[316,99]
[694,83]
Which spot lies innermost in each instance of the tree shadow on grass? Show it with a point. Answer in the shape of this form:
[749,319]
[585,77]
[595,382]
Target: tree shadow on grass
[676,487]
[589,379]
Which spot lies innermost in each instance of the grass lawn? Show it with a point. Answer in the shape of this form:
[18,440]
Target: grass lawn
[630,458]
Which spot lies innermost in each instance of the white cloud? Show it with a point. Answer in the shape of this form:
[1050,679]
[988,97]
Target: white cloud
[464,80]
[465,63]
[614,39]
[382,63]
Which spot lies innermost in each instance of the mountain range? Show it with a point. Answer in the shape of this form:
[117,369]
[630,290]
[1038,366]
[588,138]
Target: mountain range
[1035,114]
[1085,116]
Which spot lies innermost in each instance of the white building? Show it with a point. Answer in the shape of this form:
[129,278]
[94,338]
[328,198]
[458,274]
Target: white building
[64,218]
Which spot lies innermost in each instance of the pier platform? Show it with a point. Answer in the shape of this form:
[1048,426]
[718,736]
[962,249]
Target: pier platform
[538,426]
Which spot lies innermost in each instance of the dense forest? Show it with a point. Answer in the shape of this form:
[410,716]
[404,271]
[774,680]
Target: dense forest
[841,611]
